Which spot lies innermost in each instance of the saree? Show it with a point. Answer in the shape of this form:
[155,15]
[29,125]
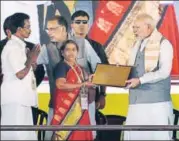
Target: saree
[68,110]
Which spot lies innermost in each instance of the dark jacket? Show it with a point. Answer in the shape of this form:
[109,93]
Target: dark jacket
[99,49]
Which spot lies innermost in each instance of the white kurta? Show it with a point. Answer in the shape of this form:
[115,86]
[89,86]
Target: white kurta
[16,114]
[17,96]
[149,114]
[159,113]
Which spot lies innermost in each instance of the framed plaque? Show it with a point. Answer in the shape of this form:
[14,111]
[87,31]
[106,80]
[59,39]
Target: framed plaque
[111,75]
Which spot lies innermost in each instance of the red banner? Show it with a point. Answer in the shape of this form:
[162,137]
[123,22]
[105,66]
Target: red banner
[111,14]
[169,29]
[108,15]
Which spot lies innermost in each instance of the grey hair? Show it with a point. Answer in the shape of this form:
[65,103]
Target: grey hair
[147,19]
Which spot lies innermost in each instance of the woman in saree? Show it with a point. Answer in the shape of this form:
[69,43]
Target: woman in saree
[71,99]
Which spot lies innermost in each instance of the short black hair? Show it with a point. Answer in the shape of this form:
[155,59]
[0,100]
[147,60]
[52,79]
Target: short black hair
[7,24]
[61,21]
[65,44]
[78,14]
[17,20]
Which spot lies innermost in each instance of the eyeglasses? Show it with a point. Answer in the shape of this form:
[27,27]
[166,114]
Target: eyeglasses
[51,29]
[81,21]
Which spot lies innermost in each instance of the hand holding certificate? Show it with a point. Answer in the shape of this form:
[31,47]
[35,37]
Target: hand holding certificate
[111,75]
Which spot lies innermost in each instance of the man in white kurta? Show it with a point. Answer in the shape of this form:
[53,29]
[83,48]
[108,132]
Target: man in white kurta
[149,93]
[18,91]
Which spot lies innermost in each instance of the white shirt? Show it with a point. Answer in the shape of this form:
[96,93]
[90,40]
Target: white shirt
[165,62]
[14,90]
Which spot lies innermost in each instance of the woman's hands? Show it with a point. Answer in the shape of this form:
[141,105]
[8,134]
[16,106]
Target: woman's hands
[90,78]
[89,82]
